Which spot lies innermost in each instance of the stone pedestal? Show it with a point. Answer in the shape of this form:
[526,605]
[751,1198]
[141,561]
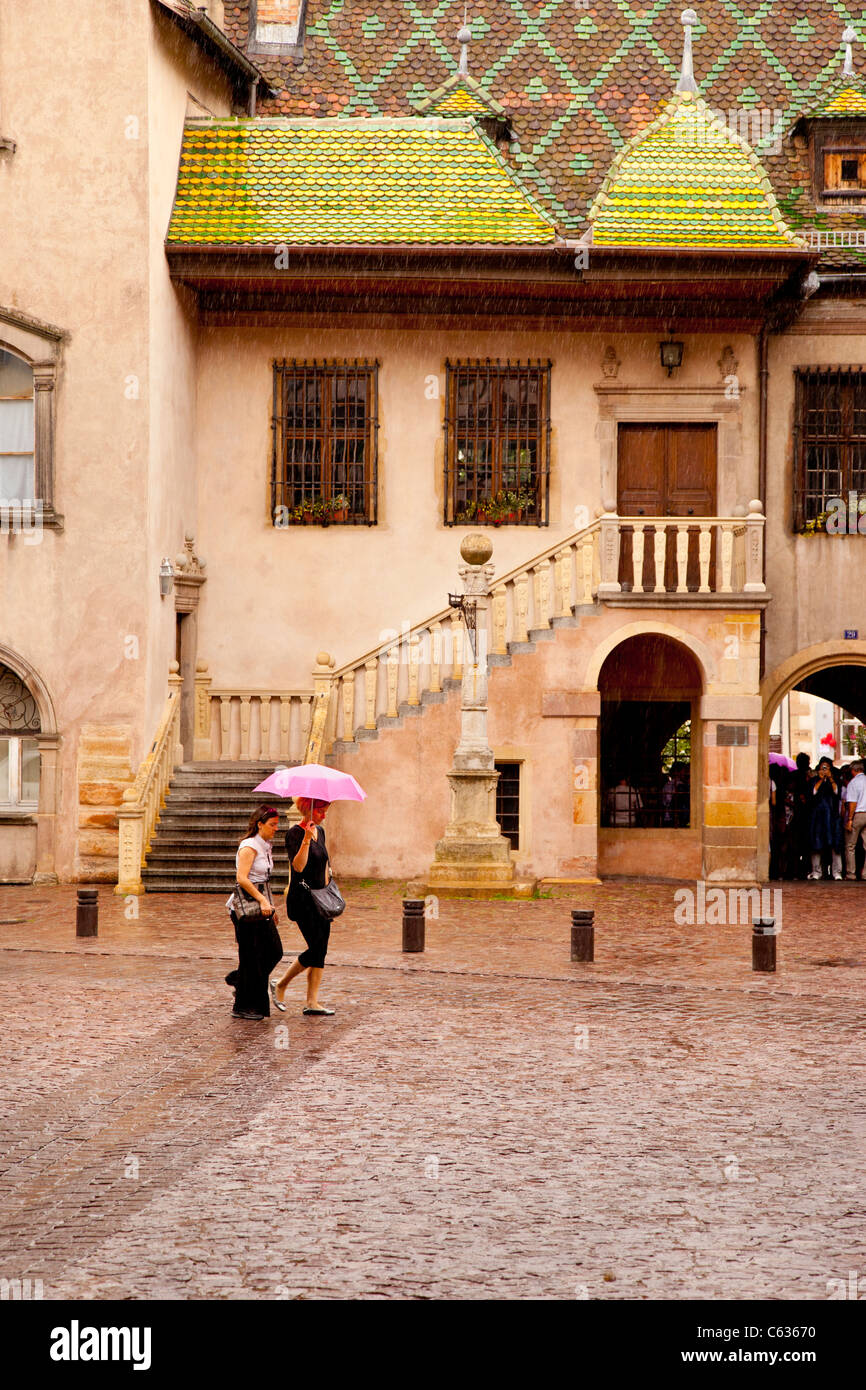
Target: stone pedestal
[474,857]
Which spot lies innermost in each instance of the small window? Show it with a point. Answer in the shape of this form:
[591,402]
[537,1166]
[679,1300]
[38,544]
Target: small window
[17,476]
[19,773]
[276,26]
[497,443]
[508,801]
[844,174]
[829,440]
[325,427]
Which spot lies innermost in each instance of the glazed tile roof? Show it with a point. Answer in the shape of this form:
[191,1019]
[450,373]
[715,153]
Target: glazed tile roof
[578,78]
[848,101]
[460,96]
[687,180]
[349,182]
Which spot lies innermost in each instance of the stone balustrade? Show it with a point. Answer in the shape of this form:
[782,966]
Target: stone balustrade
[143,801]
[684,558]
[243,725]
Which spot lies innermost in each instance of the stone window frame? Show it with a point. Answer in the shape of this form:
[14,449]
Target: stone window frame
[674,405]
[40,345]
[294,49]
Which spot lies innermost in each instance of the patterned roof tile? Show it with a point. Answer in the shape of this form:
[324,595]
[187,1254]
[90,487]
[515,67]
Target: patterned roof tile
[349,182]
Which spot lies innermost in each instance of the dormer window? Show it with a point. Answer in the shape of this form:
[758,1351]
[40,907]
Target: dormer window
[842,168]
[277,26]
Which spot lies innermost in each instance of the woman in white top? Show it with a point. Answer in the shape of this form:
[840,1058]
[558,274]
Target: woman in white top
[259,944]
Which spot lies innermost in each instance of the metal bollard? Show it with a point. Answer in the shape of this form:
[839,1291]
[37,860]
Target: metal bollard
[87,912]
[764,933]
[413,924]
[582,934]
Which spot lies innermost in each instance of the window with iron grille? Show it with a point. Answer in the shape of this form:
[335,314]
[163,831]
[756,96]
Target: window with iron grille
[325,430]
[497,443]
[508,801]
[829,439]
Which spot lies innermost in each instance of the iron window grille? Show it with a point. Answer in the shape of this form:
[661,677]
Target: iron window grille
[497,443]
[325,430]
[508,801]
[829,439]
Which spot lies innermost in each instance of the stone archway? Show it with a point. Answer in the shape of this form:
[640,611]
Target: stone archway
[48,739]
[775,685]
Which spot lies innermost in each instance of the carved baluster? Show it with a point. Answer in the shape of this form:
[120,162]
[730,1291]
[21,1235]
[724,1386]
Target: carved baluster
[755,549]
[704,543]
[285,726]
[562,582]
[371,669]
[414,669]
[682,556]
[659,548]
[225,727]
[541,594]
[348,692]
[392,671]
[521,608]
[436,658]
[637,543]
[726,537]
[499,615]
[265,727]
[245,728]
[587,566]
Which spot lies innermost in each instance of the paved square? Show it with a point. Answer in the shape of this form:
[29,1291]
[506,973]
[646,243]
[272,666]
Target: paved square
[484,1121]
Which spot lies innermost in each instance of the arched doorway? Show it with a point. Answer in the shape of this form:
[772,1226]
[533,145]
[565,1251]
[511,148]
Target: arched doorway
[28,774]
[832,671]
[650,759]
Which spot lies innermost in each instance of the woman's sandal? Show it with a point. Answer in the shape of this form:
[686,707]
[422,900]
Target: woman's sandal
[277,1005]
[320,1010]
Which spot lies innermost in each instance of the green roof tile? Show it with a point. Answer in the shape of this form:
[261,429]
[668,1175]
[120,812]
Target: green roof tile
[353,181]
[688,180]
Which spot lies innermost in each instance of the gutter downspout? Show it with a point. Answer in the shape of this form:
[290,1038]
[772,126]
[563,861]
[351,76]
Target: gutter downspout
[763,390]
[251,104]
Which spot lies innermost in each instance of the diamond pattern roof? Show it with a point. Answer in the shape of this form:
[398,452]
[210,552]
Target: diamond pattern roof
[349,182]
[687,180]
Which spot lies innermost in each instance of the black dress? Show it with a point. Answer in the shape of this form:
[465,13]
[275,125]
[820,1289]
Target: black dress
[314,928]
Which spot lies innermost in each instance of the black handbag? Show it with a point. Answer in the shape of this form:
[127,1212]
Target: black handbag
[329,900]
[247,908]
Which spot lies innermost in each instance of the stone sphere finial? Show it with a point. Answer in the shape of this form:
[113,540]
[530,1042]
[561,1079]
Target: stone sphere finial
[476,549]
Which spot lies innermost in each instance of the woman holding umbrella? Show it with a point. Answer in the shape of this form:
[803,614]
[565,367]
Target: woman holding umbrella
[314,787]
[310,865]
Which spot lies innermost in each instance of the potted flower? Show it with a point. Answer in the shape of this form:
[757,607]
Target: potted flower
[338,508]
[817,524]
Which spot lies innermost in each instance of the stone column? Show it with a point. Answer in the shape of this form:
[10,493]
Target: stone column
[44,376]
[46,816]
[473,854]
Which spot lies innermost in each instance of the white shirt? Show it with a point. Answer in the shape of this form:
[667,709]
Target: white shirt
[856,792]
[262,866]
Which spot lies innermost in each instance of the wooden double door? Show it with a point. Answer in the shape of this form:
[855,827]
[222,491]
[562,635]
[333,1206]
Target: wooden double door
[666,470]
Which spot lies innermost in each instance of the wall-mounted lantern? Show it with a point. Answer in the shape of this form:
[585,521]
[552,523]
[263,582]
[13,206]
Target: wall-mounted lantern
[166,577]
[671,354]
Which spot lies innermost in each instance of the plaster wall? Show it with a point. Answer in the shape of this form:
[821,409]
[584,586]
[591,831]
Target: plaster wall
[95,104]
[818,582]
[276,596]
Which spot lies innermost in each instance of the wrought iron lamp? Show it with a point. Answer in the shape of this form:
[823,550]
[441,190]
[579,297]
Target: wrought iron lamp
[166,577]
[671,353]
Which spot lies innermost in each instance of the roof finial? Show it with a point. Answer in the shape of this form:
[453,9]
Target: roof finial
[687,81]
[464,38]
[848,37]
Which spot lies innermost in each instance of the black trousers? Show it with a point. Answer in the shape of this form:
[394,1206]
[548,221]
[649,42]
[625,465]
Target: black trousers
[259,950]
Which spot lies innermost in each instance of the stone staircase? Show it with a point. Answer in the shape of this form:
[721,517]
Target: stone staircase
[204,819]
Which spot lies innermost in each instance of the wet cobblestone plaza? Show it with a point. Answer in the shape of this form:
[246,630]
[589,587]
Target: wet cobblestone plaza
[486,1120]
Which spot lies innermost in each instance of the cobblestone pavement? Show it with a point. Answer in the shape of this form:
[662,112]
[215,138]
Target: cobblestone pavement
[486,1120]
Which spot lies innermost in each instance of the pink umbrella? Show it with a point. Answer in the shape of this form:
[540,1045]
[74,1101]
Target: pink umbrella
[782,761]
[315,781]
